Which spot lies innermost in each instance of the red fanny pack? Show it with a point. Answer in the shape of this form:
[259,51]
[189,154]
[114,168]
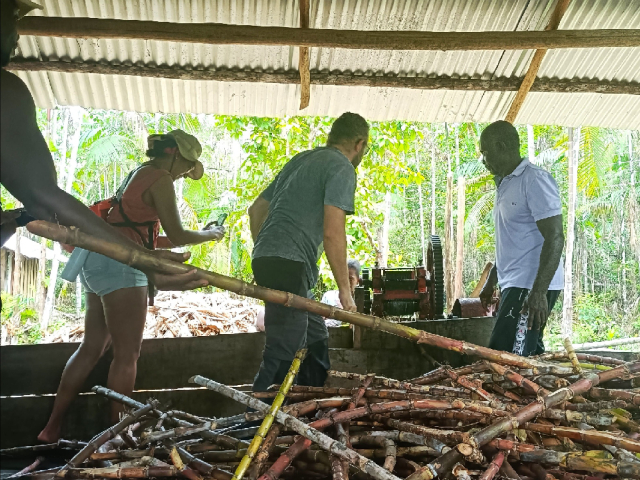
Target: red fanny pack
[101,208]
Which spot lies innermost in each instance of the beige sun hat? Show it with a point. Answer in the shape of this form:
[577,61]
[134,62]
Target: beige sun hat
[26,6]
[189,147]
[191,150]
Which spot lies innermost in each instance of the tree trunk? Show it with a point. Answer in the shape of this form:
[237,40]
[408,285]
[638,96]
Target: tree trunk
[634,211]
[383,233]
[459,284]
[567,309]
[422,238]
[78,299]
[17,269]
[9,279]
[3,267]
[433,183]
[448,244]
[531,146]
[53,278]
[41,290]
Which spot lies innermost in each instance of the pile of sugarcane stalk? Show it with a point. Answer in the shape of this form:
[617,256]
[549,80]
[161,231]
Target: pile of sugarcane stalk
[572,417]
[565,415]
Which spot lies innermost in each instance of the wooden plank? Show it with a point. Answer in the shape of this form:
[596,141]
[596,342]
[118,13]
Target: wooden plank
[164,363]
[536,61]
[482,281]
[503,84]
[303,63]
[24,417]
[220,34]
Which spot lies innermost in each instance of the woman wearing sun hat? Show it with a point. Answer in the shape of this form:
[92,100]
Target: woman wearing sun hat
[116,294]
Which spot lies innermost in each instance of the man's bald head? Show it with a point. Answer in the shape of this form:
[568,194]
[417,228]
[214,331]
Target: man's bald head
[500,147]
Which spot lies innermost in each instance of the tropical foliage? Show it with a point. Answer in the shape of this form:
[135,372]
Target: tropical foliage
[243,154]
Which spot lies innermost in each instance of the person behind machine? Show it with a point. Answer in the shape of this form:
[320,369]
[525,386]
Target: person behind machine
[115,294]
[332,297]
[304,206]
[28,172]
[529,241]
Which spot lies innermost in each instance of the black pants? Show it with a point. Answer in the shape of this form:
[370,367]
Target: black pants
[287,328]
[504,333]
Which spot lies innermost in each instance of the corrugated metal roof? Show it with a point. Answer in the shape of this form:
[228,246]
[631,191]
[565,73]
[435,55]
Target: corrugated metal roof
[165,95]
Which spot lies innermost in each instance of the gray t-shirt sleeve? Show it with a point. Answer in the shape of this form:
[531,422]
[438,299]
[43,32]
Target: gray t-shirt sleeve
[268,192]
[340,188]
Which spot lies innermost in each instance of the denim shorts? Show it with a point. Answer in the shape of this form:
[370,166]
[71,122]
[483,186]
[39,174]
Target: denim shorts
[102,275]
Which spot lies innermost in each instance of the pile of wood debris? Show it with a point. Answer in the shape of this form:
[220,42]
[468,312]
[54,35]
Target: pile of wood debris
[185,314]
[558,419]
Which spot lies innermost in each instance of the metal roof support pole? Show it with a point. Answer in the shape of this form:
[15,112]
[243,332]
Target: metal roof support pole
[303,63]
[534,66]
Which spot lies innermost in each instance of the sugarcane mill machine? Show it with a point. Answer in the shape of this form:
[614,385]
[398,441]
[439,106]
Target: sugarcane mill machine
[403,292]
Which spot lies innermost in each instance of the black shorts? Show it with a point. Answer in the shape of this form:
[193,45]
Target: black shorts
[504,332]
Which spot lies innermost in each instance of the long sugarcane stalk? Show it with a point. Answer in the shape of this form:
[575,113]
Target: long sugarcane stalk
[434,391]
[299,446]
[268,419]
[205,433]
[592,436]
[103,437]
[518,379]
[60,444]
[292,423]
[339,467]
[445,462]
[176,432]
[571,353]
[146,261]
[451,437]
[606,394]
[597,406]
[123,472]
[465,382]
[494,466]
[585,357]
[263,453]
[595,462]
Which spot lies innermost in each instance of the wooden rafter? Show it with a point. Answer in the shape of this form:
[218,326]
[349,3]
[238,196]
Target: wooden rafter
[220,34]
[503,84]
[303,63]
[536,61]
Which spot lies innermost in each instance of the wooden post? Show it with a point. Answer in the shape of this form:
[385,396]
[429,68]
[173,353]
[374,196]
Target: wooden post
[303,63]
[534,66]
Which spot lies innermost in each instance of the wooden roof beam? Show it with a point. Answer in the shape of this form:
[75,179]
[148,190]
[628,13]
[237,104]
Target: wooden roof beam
[292,77]
[220,34]
[536,61]
[303,61]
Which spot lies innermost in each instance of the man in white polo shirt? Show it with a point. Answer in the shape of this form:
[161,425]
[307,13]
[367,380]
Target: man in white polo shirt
[529,242]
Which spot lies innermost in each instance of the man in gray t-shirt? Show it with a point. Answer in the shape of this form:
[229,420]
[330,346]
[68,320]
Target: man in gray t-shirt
[305,206]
